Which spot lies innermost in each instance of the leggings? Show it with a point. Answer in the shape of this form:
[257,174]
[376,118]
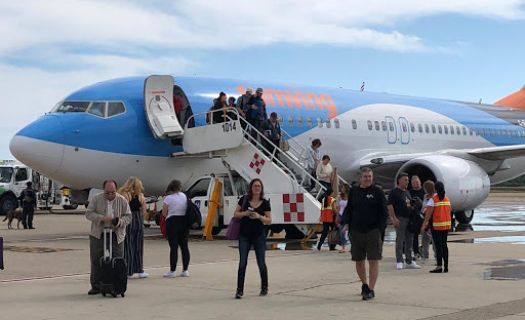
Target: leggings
[440,240]
[178,232]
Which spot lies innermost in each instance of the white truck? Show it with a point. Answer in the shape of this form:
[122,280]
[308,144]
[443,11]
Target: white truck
[13,178]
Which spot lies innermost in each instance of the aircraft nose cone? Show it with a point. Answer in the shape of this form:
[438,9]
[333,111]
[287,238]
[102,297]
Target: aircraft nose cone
[39,146]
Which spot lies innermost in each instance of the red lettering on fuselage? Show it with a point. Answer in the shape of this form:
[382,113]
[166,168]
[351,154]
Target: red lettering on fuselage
[297,100]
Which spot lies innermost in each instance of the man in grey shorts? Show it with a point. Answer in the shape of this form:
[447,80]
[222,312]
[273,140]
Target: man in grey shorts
[365,216]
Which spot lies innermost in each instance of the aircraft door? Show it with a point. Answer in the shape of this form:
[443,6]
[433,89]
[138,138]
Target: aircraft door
[404,130]
[391,130]
[158,105]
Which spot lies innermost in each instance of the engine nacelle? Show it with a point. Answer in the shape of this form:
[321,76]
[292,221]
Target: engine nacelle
[467,185]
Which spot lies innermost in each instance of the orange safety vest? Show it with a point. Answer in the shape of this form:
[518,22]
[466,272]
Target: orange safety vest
[441,217]
[327,213]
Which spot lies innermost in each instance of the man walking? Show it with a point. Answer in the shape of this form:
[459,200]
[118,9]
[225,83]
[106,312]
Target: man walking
[28,198]
[108,209]
[400,210]
[365,216]
[418,194]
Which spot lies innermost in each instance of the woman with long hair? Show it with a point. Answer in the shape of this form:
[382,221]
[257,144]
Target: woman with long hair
[344,189]
[439,210]
[255,212]
[133,190]
[177,230]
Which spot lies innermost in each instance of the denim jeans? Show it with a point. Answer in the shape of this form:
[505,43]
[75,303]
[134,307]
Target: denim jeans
[259,245]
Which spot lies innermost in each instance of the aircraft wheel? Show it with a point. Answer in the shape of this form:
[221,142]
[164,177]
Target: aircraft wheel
[464,217]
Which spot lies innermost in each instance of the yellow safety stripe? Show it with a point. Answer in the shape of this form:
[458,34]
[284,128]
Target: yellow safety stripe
[442,224]
[439,204]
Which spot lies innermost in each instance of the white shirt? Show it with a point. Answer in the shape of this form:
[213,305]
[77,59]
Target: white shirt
[342,206]
[177,203]
[109,212]
[314,156]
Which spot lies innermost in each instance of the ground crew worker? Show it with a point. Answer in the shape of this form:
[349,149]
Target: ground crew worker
[439,209]
[28,198]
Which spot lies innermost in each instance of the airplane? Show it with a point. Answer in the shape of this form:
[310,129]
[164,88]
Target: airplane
[127,127]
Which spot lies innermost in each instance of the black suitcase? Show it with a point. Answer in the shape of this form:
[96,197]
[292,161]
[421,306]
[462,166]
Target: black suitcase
[113,271]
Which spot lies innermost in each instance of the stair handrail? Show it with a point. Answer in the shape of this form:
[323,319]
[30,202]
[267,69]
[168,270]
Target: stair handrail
[247,128]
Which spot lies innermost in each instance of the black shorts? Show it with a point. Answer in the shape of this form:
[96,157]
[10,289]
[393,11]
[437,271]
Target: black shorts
[366,245]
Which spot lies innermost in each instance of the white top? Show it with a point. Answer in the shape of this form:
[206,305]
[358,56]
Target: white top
[324,172]
[313,156]
[177,203]
[342,206]
[109,212]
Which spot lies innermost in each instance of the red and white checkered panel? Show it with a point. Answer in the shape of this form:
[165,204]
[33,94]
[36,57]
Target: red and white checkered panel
[293,207]
[257,163]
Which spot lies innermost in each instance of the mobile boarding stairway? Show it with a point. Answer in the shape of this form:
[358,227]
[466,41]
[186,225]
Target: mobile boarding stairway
[243,149]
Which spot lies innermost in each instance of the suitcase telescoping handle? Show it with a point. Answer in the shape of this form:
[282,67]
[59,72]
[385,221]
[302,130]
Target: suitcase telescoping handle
[108,248]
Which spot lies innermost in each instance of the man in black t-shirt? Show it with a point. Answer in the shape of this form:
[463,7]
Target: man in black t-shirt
[400,210]
[28,198]
[418,194]
[365,216]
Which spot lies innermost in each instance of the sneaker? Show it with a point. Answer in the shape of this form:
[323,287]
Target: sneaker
[413,265]
[170,274]
[143,275]
[185,273]
[264,292]
[238,294]
[437,270]
[369,295]
[399,265]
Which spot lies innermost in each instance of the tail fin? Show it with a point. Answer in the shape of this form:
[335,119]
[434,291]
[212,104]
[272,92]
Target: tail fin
[515,100]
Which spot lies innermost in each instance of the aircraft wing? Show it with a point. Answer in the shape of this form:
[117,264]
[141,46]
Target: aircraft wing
[488,153]
[499,153]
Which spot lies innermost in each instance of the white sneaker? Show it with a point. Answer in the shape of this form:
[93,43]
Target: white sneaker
[413,265]
[170,274]
[185,273]
[143,275]
[399,266]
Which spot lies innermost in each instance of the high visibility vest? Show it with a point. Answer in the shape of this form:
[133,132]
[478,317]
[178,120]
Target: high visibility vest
[441,217]
[327,213]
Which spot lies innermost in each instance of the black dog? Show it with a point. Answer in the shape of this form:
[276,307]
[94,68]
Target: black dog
[13,214]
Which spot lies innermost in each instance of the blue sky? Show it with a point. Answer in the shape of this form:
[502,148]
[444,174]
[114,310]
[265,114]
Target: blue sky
[461,50]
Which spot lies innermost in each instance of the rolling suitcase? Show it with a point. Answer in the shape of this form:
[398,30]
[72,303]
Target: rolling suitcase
[113,271]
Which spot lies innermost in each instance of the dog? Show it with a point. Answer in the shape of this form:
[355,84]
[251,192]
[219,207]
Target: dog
[13,214]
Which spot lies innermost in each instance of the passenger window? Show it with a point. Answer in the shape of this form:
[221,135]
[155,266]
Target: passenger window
[369,123]
[471,131]
[427,128]
[458,131]
[445,128]
[290,120]
[376,125]
[21,174]
[98,109]
[439,129]
[404,126]
[464,130]
[433,128]
[412,128]
[199,188]
[451,129]
[391,126]
[300,121]
[336,123]
[328,123]
[354,124]
[383,125]
[115,108]
[319,123]
[72,106]
[309,121]
[420,128]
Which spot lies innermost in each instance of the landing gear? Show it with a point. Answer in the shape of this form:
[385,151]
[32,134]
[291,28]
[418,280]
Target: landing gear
[464,217]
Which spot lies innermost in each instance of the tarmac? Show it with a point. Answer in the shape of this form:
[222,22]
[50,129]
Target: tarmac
[46,276]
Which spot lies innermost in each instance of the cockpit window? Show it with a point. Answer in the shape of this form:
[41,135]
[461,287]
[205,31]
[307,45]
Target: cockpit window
[98,109]
[115,108]
[72,106]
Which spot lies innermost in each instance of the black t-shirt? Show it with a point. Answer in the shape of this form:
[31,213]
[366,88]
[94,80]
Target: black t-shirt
[418,193]
[253,228]
[366,209]
[401,201]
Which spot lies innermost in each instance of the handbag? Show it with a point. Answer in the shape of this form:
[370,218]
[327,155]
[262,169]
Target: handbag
[283,145]
[334,236]
[234,228]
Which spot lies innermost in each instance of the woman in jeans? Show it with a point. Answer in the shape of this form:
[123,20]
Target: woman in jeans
[177,230]
[254,212]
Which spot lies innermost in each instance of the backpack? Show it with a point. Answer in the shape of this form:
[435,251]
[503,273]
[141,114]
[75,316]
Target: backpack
[193,215]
